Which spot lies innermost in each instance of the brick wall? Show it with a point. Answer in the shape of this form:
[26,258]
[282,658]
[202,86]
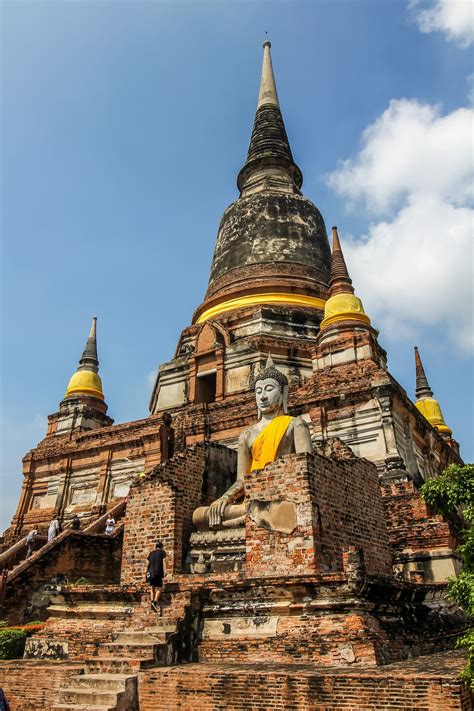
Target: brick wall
[78,638]
[95,557]
[410,522]
[405,686]
[422,542]
[160,506]
[338,504]
[34,685]
[299,639]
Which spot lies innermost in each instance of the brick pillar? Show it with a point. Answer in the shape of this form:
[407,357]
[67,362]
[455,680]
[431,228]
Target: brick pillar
[280,527]
[25,496]
[305,510]
[104,475]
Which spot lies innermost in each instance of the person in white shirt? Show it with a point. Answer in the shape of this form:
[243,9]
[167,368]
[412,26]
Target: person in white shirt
[30,541]
[110,525]
[53,530]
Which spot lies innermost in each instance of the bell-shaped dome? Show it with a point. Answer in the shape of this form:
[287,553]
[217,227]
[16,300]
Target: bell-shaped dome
[272,243]
[85,382]
[270,227]
[343,304]
[344,307]
[430,409]
[426,403]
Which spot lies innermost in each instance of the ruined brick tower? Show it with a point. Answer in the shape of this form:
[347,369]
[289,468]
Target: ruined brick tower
[327,591]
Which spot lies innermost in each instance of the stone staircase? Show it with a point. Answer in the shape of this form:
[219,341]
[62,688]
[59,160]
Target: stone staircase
[104,692]
[13,559]
[110,678]
[153,646]
[112,632]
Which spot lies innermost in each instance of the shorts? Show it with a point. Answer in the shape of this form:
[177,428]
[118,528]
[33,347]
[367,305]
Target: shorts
[157,581]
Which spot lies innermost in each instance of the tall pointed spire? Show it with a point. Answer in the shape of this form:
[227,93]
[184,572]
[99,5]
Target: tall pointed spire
[422,387]
[268,92]
[269,146]
[342,304]
[426,403]
[272,247]
[89,360]
[86,380]
[340,282]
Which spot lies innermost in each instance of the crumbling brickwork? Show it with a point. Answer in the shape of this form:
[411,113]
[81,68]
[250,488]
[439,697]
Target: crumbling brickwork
[160,506]
[34,684]
[80,555]
[417,535]
[329,516]
[404,686]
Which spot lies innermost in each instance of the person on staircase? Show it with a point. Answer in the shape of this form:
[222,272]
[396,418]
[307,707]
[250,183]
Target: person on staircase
[54,529]
[30,542]
[156,571]
[76,523]
[110,525]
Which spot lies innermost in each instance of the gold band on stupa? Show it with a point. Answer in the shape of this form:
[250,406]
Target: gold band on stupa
[256,299]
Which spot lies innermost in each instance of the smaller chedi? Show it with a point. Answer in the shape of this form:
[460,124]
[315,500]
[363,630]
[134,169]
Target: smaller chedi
[275,434]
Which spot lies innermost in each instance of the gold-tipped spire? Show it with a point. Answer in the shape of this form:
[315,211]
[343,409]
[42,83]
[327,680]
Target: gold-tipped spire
[86,380]
[342,304]
[425,402]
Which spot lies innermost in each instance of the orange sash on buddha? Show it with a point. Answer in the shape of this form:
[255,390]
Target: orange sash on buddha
[265,447]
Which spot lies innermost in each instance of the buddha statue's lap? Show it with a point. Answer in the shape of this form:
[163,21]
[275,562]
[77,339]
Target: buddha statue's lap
[274,435]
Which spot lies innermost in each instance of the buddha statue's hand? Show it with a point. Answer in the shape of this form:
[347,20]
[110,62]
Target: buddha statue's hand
[216,511]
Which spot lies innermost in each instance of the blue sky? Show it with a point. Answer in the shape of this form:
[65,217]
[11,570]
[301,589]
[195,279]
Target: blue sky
[124,127]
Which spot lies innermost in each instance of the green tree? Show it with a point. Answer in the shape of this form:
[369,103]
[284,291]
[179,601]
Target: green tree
[453,489]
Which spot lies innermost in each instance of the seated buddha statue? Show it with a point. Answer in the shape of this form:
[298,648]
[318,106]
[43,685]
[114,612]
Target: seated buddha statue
[276,433]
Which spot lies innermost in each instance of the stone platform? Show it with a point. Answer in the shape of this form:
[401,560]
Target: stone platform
[424,684]
[428,683]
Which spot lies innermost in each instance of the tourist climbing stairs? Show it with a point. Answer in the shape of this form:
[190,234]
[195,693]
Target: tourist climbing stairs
[13,561]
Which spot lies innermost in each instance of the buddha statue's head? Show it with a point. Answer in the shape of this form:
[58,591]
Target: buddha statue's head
[271,390]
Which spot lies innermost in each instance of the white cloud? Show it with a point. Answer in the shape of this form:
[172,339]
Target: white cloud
[410,148]
[416,270]
[453,17]
[413,269]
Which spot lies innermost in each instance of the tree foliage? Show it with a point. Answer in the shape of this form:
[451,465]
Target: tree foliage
[453,491]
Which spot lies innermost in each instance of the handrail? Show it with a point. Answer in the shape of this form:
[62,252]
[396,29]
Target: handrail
[25,564]
[116,511]
[38,554]
[10,552]
[96,526]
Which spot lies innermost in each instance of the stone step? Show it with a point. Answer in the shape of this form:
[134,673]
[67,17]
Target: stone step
[130,637]
[141,650]
[80,707]
[117,665]
[82,695]
[95,612]
[166,623]
[159,629]
[105,681]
